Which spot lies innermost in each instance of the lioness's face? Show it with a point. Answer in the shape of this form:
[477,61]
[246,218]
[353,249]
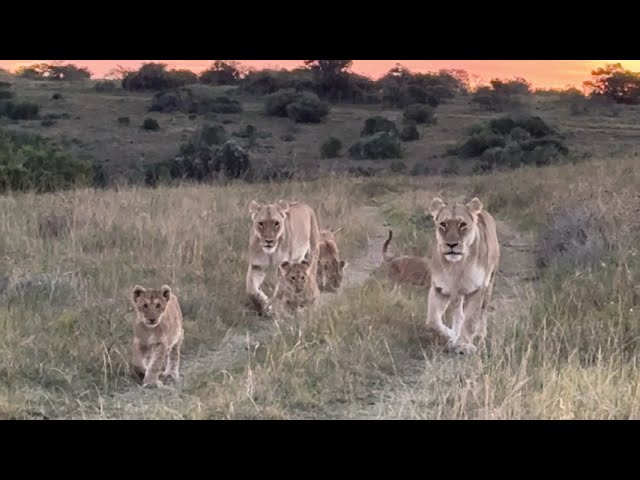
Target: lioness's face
[268,223]
[455,227]
[330,270]
[296,274]
[151,304]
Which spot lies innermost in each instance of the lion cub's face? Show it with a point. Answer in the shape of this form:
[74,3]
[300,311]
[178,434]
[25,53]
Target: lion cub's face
[455,227]
[268,223]
[296,275]
[330,269]
[151,304]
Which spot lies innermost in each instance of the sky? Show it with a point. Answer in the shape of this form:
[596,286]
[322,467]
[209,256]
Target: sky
[540,73]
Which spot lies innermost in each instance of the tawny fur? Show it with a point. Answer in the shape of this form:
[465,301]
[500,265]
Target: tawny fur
[463,269]
[157,335]
[280,232]
[330,267]
[296,287]
[405,268]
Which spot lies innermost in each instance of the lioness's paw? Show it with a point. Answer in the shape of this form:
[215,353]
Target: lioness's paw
[463,348]
[152,384]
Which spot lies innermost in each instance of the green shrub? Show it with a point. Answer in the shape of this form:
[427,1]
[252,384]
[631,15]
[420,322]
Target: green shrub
[409,133]
[378,124]
[150,124]
[19,110]
[330,148]
[380,145]
[198,99]
[104,86]
[307,108]
[420,114]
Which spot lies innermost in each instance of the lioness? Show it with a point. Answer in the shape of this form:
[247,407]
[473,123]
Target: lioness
[157,335]
[330,267]
[280,232]
[463,270]
[405,268]
[296,287]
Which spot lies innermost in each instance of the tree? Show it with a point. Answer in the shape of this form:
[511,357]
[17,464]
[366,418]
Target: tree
[616,83]
[332,77]
[221,73]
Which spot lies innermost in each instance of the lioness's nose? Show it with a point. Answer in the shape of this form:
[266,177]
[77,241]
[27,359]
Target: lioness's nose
[452,245]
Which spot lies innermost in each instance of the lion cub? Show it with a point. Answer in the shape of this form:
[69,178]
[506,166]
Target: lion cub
[330,267]
[296,287]
[405,268]
[157,335]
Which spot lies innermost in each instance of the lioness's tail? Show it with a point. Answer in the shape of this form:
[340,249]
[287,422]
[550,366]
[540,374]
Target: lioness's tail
[385,255]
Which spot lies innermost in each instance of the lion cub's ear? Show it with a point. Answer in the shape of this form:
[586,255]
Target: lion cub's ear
[253,207]
[343,264]
[436,207]
[137,291]
[475,205]
[166,292]
[284,268]
[283,206]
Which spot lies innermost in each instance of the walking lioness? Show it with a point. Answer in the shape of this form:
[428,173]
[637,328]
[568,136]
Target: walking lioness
[280,232]
[463,270]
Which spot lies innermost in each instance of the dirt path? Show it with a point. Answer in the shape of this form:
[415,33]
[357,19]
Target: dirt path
[237,343]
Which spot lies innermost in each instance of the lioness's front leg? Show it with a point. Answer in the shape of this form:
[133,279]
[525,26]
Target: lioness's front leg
[472,316]
[159,354]
[437,305]
[255,277]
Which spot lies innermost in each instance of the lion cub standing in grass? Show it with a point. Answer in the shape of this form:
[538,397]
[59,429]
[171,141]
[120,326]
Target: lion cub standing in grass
[157,335]
[330,267]
[406,268]
[296,287]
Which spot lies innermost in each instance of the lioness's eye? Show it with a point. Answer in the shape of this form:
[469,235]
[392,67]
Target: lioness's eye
[277,224]
[145,305]
[158,306]
[260,224]
[463,225]
[443,225]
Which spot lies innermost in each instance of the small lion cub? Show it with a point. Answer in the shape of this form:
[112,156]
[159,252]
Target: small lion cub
[296,286]
[157,335]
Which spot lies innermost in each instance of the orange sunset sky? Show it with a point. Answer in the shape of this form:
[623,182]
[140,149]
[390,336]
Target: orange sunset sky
[541,73]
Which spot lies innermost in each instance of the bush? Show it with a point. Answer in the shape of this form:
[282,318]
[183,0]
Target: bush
[491,100]
[56,96]
[197,99]
[150,124]
[104,86]
[124,121]
[302,107]
[155,76]
[307,108]
[377,146]
[232,160]
[220,73]
[330,148]
[5,94]
[29,162]
[420,114]
[47,122]
[378,124]
[266,82]
[19,110]
[397,167]
[409,133]
[477,143]
[214,134]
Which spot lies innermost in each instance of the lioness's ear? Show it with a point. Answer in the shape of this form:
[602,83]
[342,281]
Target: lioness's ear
[253,207]
[137,291]
[475,205]
[436,207]
[283,206]
[166,292]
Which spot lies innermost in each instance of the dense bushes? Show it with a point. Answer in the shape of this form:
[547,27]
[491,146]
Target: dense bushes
[19,110]
[420,114]
[330,148]
[198,99]
[380,145]
[512,142]
[502,95]
[155,76]
[33,163]
[301,107]
[377,124]
[104,86]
